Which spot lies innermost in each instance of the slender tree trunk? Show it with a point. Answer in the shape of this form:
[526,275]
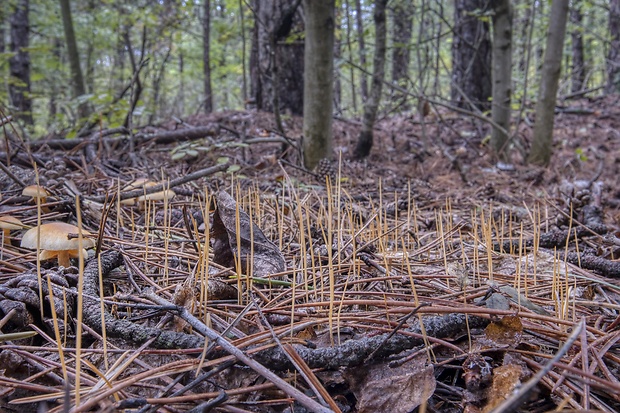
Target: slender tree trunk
[181,93]
[578,74]
[350,53]
[337,72]
[77,79]
[318,80]
[206,59]
[244,85]
[613,56]
[89,80]
[119,64]
[525,23]
[54,84]
[158,79]
[545,107]
[502,76]
[471,56]
[362,48]
[365,139]
[2,30]
[136,85]
[19,63]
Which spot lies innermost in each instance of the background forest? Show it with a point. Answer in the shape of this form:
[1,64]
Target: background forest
[157,59]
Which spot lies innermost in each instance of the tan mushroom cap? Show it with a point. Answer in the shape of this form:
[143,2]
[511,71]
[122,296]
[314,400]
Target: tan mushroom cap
[55,242]
[145,183]
[35,191]
[9,222]
[158,196]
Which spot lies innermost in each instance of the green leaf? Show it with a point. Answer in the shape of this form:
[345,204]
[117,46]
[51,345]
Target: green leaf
[233,168]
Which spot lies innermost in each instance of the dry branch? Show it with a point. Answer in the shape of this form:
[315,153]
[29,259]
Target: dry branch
[160,138]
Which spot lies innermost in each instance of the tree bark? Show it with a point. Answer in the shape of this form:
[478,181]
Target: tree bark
[206,59]
[502,76]
[578,73]
[337,73]
[318,80]
[402,16]
[350,52]
[365,139]
[277,56]
[402,28]
[471,56]
[244,86]
[545,106]
[361,44]
[19,63]
[2,31]
[613,56]
[77,79]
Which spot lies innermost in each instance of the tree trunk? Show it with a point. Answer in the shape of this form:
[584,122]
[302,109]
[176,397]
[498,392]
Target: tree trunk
[471,56]
[318,80]
[89,79]
[613,56]
[524,22]
[277,57]
[2,31]
[578,73]
[77,79]
[19,63]
[365,139]
[350,53]
[502,76]
[545,106]
[54,85]
[337,72]
[402,15]
[181,93]
[361,44]
[244,86]
[206,47]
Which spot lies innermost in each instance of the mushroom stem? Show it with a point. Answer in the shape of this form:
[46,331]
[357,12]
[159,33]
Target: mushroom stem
[63,259]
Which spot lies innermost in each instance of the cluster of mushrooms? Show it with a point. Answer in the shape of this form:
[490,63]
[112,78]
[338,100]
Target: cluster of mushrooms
[60,240]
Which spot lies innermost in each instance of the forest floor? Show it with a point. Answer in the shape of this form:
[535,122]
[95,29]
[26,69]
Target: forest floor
[449,284]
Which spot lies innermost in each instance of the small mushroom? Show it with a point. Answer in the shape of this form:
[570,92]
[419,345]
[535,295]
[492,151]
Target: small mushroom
[8,223]
[141,200]
[36,191]
[55,241]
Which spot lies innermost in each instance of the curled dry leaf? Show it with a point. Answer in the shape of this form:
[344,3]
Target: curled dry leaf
[259,256]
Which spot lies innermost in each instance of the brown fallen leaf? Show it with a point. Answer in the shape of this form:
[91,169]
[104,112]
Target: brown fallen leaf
[506,332]
[255,249]
[505,380]
[379,388]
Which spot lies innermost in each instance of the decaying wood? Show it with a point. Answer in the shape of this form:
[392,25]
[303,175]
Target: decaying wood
[119,327]
[160,137]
